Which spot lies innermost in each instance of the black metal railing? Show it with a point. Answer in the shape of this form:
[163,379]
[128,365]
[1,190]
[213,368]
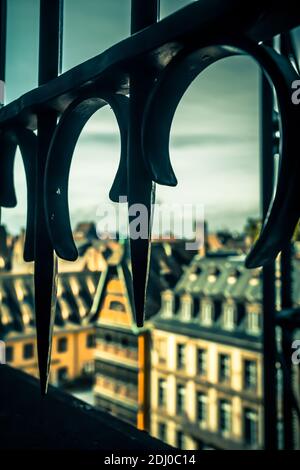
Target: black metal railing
[62,423]
[154,67]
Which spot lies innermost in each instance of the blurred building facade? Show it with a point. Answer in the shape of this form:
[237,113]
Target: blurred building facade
[122,361]
[74,330]
[192,376]
[206,361]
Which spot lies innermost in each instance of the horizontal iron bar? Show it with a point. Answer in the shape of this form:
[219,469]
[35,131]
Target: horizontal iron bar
[289,318]
[154,47]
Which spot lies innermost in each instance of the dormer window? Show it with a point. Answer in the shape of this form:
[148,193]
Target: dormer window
[5,315]
[66,310]
[90,285]
[167,305]
[229,317]
[206,313]
[253,321]
[20,289]
[60,288]
[26,313]
[82,307]
[74,284]
[186,308]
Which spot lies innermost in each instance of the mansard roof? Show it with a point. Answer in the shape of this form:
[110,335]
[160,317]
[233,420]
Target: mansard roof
[75,294]
[221,277]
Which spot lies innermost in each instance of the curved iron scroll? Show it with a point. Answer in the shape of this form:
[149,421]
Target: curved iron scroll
[132,66]
[284,210]
[59,161]
[27,142]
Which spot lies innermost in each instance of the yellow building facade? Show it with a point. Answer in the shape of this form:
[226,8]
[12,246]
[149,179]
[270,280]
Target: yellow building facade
[189,427]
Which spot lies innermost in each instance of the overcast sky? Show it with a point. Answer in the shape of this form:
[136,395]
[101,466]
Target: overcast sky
[214,146]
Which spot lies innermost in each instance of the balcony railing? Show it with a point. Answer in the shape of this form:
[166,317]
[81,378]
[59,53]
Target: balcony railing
[27,421]
[154,67]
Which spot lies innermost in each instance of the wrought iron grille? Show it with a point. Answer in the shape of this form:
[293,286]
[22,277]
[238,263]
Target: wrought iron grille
[143,79]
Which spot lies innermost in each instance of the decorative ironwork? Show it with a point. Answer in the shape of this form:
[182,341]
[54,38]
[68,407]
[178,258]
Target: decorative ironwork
[155,67]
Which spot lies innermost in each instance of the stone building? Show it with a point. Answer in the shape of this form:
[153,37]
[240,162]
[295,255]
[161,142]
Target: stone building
[206,361]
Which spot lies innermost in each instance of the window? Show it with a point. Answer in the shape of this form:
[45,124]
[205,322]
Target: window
[181,351]
[202,361]
[9,353]
[202,408]
[62,375]
[250,374]
[162,434]
[90,341]
[88,368]
[179,439]
[225,416]
[254,323]
[162,392]
[207,314]
[224,368]
[229,317]
[107,338]
[62,344]
[124,342]
[167,306]
[251,427]
[186,309]
[28,351]
[118,306]
[180,399]
[161,345]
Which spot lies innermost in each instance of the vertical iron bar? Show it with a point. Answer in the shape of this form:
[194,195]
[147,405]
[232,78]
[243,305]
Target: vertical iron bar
[286,342]
[3,21]
[45,261]
[50,40]
[286,302]
[143,14]
[268,274]
[140,187]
